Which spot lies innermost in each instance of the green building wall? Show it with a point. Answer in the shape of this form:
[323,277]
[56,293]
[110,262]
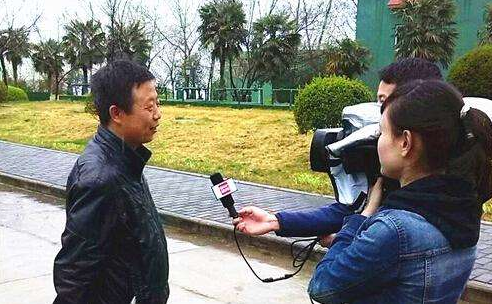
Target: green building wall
[376,23]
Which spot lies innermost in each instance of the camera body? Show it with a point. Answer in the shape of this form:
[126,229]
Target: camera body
[361,157]
[349,154]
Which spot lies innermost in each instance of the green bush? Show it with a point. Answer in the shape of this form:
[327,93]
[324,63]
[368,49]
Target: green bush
[472,73]
[3,92]
[320,103]
[89,104]
[16,94]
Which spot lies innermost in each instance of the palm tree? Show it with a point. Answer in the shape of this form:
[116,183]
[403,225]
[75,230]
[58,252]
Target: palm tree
[14,45]
[18,50]
[4,47]
[485,34]
[274,45]
[83,45]
[48,58]
[128,41]
[426,30]
[348,58]
[222,30]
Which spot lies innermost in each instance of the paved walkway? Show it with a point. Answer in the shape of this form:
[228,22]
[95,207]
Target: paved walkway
[190,194]
[30,229]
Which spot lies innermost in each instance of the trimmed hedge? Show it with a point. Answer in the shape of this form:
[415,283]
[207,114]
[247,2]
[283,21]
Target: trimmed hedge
[75,97]
[472,73]
[3,92]
[16,94]
[38,96]
[320,103]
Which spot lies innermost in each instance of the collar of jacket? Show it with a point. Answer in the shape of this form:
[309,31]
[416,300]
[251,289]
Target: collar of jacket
[447,202]
[135,160]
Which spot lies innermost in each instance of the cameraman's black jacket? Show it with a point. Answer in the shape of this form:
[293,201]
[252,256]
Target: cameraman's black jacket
[113,246]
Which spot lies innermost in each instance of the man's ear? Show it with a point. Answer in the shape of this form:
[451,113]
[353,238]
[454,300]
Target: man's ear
[115,114]
[407,143]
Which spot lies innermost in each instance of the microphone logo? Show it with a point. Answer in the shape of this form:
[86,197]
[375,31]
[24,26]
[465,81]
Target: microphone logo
[223,190]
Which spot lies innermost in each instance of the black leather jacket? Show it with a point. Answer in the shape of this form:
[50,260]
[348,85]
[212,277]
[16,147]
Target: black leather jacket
[113,246]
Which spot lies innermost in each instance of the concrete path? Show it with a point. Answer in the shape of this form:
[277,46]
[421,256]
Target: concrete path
[30,229]
[189,195]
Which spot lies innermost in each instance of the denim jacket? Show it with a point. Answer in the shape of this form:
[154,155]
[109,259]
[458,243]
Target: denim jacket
[395,256]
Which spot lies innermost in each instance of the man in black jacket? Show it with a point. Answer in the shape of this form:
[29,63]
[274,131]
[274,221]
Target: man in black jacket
[113,246]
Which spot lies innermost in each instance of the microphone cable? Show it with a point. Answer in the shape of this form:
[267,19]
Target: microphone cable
[298,260]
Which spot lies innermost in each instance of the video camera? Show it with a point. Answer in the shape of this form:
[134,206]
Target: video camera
[349,154]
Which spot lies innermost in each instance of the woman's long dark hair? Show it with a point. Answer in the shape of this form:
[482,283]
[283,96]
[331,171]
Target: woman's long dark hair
[459,144]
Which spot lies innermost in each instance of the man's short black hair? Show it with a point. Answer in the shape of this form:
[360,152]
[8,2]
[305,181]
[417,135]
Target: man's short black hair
[113,84]
[408,69]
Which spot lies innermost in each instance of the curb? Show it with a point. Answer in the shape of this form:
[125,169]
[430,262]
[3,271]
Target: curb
[280,245]
[181,172]
[475,292]
[32,184]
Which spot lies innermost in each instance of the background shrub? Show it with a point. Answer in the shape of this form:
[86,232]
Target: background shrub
[472,73]
[89,105]
[320,103]
[16,94]
[3,92]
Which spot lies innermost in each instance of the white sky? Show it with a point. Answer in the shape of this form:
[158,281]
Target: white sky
[56,13]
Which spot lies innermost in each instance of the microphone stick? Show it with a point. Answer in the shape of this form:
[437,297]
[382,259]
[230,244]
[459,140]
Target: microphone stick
[227,201]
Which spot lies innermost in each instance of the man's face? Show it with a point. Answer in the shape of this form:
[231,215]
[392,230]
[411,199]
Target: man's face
[140,125]
[385,90]
[388,143]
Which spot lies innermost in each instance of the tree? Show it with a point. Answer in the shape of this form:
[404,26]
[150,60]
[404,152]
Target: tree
[47,57]
[13,47]
[127,37]
[274,46]
[17,50]
[170,63]
[485,34]
[83,46]
[129,41]
[426,30]
[348,58]
[222,30]
[12,36]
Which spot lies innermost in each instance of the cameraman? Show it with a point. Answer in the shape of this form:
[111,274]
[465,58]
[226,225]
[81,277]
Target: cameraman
[420,245]
[328,219]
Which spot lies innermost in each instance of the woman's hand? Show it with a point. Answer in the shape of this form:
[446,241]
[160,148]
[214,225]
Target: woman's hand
[255,221]
[374,198]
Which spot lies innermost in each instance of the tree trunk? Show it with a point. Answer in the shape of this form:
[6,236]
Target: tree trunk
[210,78]
[222,81]
[86,79]
[4,70]
[50,82]
[236,97]
[325,23]
[14,70]
[57,85]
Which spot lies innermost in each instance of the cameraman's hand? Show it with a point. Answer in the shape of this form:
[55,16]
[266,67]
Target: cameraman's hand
[327,239]
[374,198]
[255,221]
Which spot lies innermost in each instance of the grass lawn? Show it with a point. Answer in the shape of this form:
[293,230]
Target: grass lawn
[255,145]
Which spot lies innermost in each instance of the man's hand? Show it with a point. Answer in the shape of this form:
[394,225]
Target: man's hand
[255,221]
[327,239]
[374,198]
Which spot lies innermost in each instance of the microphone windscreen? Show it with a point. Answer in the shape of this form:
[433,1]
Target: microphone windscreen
[216,178]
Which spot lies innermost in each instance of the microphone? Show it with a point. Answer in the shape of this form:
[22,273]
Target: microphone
[223,190]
